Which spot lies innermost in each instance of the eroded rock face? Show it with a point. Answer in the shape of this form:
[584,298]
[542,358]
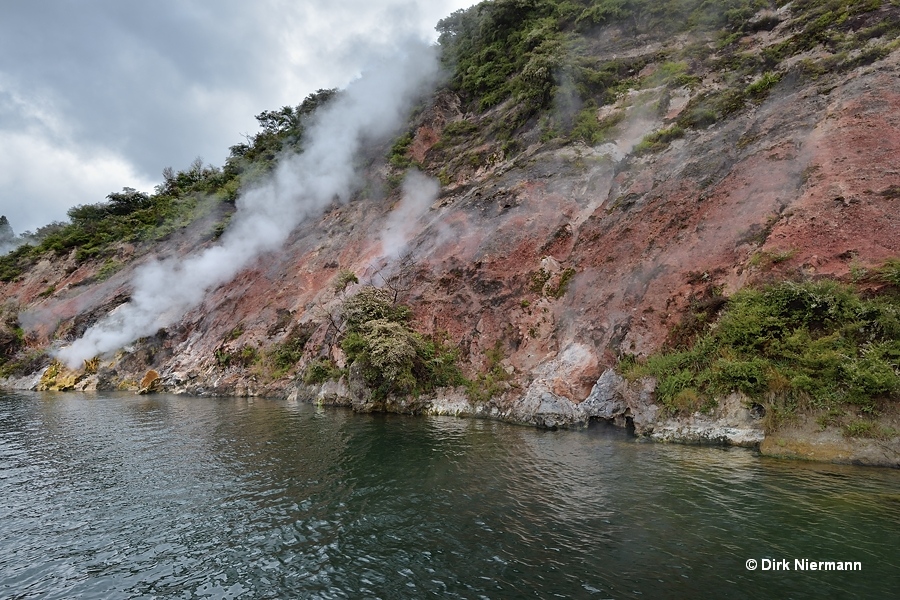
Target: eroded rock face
[607,399]
[614,399]
[733,423]
[540,407]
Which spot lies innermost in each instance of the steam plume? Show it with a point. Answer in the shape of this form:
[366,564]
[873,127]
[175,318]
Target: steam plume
[303,185]
[419,192]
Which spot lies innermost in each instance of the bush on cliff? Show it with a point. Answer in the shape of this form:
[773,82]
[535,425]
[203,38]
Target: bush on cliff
[822,345]
[393,359]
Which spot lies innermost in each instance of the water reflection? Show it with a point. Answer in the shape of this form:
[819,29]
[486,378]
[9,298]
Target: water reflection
[164,496]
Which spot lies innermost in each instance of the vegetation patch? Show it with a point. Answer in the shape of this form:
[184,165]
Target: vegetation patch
[658,140]
[538,279]
[820,345]
[243,357]
[393,358]
[533,52]
[24,364]
[861,428]
[765,259]
[321,370]
[399,157]
[183,198]
[493,381]
[562,286]
[284,355]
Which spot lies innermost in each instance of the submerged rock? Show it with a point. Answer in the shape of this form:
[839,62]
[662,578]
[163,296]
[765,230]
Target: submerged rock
[807,440]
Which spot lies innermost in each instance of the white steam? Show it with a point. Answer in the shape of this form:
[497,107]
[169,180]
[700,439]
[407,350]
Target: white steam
[419,192]
[303,185]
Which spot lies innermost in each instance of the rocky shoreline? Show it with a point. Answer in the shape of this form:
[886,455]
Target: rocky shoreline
[613,399]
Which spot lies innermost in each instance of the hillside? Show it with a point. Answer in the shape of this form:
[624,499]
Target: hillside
[601,180]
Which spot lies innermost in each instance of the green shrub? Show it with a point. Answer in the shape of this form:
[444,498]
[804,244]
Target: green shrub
[344,279]
[399,157]
[820,344]
[658,140]
[492,381]
[16,262]
[538,280]
[868,429]
[369,304]
[889,272]
[289,351]
[244,357]
[562,286]
[760,88]
[321,370]
[591,130]
[392,358]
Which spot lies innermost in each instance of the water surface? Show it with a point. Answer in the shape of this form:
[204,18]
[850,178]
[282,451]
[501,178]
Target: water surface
[121,496]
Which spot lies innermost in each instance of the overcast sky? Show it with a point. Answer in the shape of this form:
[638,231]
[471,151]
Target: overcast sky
[96,95]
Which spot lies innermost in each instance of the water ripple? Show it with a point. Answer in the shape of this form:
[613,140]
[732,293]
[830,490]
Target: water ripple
[170,497]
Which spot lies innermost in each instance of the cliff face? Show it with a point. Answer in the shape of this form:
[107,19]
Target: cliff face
[549,263]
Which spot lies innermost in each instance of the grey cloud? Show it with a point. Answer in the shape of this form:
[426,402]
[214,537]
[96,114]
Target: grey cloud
[145,85]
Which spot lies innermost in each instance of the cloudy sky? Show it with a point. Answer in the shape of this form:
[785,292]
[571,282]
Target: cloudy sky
[97,95]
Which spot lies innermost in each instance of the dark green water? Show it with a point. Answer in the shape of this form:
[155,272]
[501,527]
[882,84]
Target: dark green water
[119,496]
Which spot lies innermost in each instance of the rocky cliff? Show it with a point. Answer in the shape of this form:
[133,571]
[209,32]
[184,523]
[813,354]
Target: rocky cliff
[544,258]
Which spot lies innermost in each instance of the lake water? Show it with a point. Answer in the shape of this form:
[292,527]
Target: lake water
[122,496]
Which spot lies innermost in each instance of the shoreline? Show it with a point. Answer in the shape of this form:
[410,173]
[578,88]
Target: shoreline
[613,400]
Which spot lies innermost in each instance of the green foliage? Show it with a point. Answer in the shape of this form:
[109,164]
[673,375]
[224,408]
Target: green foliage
[128,216]
[590,130]
[503,49]
[279,130]
[562,286]
[370,304]
[394,359]
[760,88]
[109,268]
[536,57]
[399,157]
[344,279]
[766,259]
[674,74]
[889,272]
[236,332]
[493,380]
[538,280]
[461,128]
[868,429]
[244,357]
[818,344]
[289,351]
[11,335]
[321,370]
[16,262]
[182,198]
[658,140]
[22,365]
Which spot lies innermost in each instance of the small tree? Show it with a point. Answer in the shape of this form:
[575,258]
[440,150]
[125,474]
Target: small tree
[392,358]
